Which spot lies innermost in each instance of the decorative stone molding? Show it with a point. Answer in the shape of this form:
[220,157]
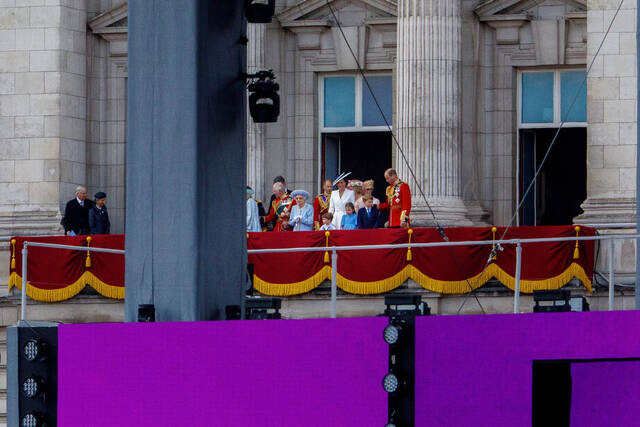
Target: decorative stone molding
[507,27]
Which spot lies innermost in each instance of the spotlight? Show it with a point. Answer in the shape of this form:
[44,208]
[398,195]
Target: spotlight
[260,11]
[32,419]
[146,313]
[32,387]
[390,383]
[559,300]
[264,101]
[262,308]
[391,334]
[33,350]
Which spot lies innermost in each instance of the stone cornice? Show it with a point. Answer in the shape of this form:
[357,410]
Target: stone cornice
[101,23]
[309,6]
[495,7]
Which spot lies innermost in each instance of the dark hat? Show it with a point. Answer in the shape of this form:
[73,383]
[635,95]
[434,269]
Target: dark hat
[100,195]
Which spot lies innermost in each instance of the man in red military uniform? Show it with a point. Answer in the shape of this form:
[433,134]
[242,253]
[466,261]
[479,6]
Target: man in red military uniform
[398,200]
[280,209]
[321,203]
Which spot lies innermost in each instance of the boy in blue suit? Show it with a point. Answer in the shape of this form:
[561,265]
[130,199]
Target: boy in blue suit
[369,215]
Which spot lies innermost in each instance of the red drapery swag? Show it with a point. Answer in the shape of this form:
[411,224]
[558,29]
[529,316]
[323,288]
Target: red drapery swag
[59,274]
[450,270]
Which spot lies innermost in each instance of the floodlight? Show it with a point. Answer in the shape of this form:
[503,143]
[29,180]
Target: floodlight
[260,11]
[33,349]
[390,383]
[32,419]
[32,387]
[264,101]
[391,334]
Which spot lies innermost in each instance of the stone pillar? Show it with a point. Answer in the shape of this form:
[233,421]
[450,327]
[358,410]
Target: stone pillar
[42,114]
[428,107]
[255,131]
[611,136]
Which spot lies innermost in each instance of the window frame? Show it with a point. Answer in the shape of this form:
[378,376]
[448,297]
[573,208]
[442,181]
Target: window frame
[358,127]
[557,99]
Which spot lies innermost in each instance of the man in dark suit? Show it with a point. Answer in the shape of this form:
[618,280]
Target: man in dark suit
[368,216]
[76,214]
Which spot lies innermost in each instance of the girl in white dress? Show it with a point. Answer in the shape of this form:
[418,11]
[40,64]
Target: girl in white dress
[339,198]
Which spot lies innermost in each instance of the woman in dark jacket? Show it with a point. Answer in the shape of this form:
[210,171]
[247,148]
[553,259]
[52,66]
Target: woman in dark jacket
[98,216]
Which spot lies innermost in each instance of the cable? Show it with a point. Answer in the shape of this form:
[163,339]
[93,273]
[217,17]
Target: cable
[404,157]
[555,137]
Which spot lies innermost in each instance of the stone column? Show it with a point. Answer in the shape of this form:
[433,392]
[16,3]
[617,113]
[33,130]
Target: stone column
[428,107]
[255,131]
[42,114]
[611,136]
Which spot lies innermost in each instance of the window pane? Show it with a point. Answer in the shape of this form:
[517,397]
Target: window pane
[339,101]
[537,97]
[381,87]
[570,83]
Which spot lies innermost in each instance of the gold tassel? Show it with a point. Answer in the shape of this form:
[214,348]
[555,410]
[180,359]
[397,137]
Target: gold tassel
[326,253]
[13,254]
[493,248]
[87,262]
[409,256]
[576,252]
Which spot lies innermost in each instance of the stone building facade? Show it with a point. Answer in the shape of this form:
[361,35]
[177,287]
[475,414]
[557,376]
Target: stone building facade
[473,90]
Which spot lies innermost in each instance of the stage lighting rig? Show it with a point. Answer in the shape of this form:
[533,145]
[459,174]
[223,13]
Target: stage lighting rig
[400,335]
[32,374]
[262,308]
[260,11]
[264,101]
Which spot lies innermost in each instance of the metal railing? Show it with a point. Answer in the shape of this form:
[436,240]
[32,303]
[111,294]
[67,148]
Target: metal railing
[518,242]
[334,259]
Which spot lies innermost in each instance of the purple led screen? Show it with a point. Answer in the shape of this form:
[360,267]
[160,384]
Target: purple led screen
[605,393]
[324,372]
[477,370]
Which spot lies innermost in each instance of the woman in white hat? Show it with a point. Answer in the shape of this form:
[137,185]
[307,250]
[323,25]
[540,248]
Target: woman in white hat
[301,218]
[340,198]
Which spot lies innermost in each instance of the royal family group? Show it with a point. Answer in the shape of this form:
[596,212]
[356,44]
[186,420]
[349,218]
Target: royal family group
[342,205]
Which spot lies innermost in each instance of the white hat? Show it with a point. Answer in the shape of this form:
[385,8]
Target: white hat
[340,177]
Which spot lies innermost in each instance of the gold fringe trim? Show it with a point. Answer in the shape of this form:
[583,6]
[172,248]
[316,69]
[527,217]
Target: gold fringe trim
[434,285]
[377,287]
[453,286]
[55,295]
[286,289]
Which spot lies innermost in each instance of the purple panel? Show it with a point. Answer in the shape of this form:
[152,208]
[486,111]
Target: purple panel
[324,372]
[476,370]
[605,394]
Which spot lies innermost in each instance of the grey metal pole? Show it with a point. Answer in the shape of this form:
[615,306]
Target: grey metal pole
[516,296]
[611,276]
[637,288]
[334,282]
[23,296]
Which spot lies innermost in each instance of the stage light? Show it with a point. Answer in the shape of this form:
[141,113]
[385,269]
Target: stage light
[390,383]
[33,350]
[559,300]
[262,308]
[146,313]
[391,334]
[260,11]
[32,387]
[264,101]
[32,419]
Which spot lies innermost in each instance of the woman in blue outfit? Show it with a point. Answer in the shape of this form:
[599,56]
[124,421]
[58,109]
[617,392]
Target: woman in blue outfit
[301,218]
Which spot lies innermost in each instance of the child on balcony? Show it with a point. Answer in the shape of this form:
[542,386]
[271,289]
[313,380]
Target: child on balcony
[326,221]
[350,219]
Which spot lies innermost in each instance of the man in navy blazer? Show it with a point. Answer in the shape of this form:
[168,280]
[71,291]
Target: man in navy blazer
[369,215]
